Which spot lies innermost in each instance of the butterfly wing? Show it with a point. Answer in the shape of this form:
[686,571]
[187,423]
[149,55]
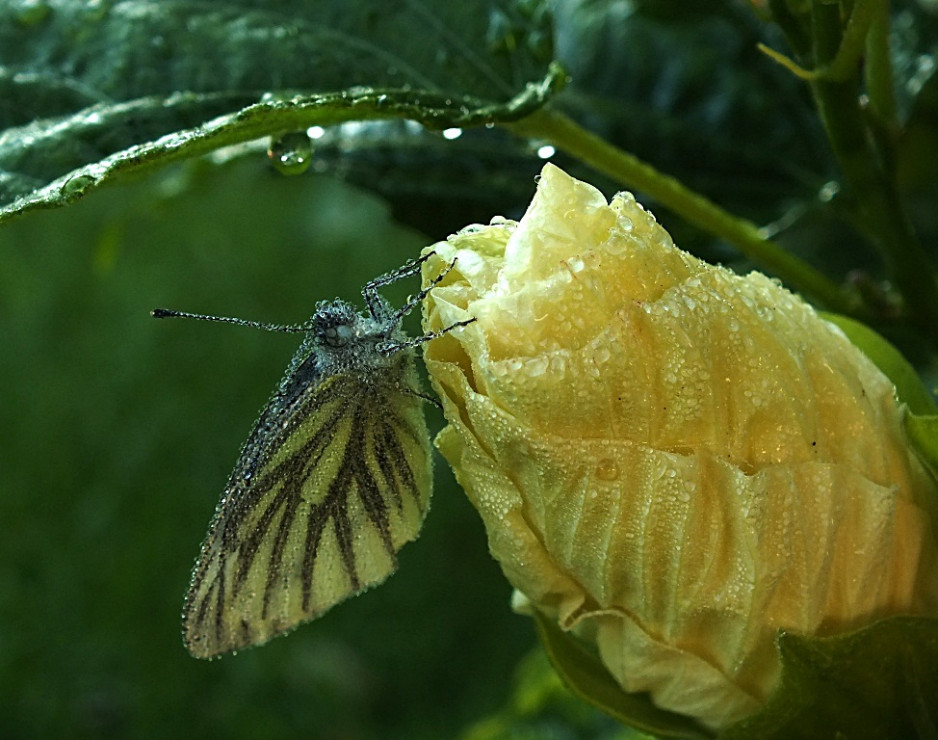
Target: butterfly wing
[328,488]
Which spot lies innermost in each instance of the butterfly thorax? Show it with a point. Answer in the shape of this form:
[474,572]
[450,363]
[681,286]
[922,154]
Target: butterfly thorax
[341,340]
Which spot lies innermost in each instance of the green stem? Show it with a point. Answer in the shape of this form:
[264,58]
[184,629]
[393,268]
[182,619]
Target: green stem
[842,66]
[878,205]
[565,134]
[878,70]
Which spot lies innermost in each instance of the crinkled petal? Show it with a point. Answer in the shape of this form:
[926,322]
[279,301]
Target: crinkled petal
[671,460]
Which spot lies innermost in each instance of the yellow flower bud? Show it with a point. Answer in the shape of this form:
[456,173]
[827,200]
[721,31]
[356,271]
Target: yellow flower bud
[671,460]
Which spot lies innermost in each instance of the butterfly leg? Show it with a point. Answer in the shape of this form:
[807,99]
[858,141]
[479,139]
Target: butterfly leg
[377,307]
[390,347]
[425,397]
[396,318]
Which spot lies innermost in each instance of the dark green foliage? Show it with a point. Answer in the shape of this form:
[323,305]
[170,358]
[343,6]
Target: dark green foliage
[117,433]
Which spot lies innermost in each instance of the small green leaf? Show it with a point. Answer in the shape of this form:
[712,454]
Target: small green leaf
[586,677]
[923,433]
[877,682]
[95,90]
[541,706]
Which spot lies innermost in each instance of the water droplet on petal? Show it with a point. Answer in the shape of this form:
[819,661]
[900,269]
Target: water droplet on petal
[536,366]
[607,469]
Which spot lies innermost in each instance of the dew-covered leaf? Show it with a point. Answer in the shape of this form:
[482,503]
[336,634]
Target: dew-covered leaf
[93,90]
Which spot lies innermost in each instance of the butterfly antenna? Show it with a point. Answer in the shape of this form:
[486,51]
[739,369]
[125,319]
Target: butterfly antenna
[166,313]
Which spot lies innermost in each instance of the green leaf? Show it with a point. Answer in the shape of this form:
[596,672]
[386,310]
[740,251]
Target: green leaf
[540,706]
[588,678]
[95,90]
[877,682]
[888,359]
[923,433]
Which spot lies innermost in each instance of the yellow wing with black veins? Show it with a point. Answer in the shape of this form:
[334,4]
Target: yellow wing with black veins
[325,494]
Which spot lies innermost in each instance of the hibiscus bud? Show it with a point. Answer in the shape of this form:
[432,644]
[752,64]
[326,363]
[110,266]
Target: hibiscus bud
[672,461]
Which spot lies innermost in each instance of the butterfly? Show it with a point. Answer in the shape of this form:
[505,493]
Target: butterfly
[333,480]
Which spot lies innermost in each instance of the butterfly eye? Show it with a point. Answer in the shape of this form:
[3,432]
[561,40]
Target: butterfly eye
[332,326]
[336,336]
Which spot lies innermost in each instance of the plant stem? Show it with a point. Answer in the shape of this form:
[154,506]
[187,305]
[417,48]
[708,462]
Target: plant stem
[565,134]
[843,64]
[867,175]
[878,71]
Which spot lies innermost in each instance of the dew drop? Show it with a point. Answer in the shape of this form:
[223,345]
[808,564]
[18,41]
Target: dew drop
[77,184]
[546,151]
[828,191]
[536,366]
[558,366]
[292,153]
[617,244]
[607,469]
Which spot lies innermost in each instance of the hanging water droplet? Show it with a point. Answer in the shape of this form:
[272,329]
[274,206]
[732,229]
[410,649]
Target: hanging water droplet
[291,153]
[77,184]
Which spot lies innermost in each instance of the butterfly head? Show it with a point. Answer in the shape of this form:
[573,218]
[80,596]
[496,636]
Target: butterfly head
[341,339]
[335,324]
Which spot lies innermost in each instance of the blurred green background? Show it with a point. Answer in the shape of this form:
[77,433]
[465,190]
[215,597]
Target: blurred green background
[118,432]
